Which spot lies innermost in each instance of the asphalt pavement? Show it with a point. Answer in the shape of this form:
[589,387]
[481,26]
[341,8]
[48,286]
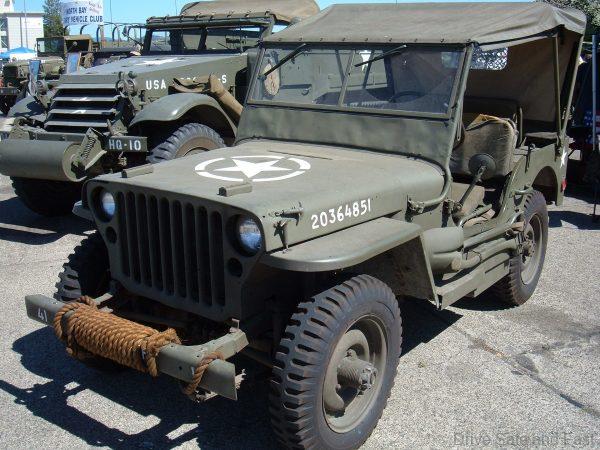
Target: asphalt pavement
[478,375]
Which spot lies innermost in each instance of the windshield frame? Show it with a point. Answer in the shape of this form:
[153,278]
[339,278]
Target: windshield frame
[355,48]
[60,39]
[266,24]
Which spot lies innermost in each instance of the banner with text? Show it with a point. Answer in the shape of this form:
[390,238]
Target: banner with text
[82,12]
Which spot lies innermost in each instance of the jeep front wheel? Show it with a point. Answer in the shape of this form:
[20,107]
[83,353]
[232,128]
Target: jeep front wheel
[335,367]
[187,140]
[86,272]
[47,198]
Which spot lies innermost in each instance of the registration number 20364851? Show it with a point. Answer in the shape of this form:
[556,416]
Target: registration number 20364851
[341,213]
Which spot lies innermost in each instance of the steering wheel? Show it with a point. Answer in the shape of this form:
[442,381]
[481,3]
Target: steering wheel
[401,94]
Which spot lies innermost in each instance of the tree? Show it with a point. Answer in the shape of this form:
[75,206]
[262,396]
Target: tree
[53,19]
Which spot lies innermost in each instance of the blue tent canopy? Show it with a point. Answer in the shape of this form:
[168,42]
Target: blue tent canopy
[16,51]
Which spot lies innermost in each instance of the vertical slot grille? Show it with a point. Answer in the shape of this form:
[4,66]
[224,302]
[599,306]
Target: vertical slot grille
[173,248]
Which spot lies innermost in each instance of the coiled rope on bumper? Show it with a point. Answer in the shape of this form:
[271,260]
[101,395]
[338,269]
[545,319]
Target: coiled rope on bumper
[90,332]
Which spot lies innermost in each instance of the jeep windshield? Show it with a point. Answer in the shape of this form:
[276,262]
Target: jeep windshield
[397,79]
[197,40]
[51,46]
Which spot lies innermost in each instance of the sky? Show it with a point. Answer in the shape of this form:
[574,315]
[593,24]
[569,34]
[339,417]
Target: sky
[139,10]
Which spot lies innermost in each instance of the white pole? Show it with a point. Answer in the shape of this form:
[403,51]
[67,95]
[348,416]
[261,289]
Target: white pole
[26,27]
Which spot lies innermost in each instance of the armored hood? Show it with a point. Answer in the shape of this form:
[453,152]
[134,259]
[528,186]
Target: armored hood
[154,68]
[323,189]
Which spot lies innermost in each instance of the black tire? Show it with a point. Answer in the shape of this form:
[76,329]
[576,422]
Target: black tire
[86,272]
[189,139]
[5,107]
[303,361]
[525,270]
[47,198]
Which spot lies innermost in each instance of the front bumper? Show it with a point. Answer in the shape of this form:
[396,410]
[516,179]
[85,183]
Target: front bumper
[61,157]
[177,361]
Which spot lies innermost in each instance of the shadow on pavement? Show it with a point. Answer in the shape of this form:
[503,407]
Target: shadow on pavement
[486,302]
[422,322]
[220,423]
[19,224]
[572,219]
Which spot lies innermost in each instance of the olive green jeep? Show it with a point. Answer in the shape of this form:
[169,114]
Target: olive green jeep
[410,156]
[181,96]
[52,52]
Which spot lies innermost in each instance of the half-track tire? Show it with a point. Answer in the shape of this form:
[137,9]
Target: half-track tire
[525,269]
[86,272]
[313,402]
[47,198]
[187,140]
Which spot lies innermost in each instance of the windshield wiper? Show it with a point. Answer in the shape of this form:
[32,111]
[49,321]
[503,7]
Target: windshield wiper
[382,56]
[285,59]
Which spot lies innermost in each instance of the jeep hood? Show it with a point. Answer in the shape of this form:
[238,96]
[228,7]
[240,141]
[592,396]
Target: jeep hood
[151,67]
[334,188]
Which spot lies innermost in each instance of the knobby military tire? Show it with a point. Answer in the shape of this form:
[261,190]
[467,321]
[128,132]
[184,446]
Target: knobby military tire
[86,271]
[296,388]
[190,138]
[512,289]
[47,198]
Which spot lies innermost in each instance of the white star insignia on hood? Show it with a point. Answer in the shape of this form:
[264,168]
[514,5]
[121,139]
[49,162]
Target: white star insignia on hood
[252,166]
[251,169]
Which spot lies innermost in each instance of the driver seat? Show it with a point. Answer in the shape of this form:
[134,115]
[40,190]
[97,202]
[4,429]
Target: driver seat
[484,134]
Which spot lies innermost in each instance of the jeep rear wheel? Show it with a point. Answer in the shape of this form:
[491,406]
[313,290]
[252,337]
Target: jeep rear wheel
[187,140]
[526,267]
[335,367]
[47,198]
[86,272]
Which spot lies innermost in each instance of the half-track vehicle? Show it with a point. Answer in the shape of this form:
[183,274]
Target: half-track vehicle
[181,96]
[51,52]
[412,156]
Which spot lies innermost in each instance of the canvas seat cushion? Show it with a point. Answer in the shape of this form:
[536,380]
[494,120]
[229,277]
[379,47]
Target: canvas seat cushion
[489,135]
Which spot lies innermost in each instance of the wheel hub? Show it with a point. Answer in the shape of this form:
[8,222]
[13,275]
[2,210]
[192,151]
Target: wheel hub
[352,377]
[532,239]
[356,373]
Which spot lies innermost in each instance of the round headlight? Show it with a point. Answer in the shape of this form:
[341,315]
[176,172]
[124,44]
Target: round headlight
[107,204]
[249,235]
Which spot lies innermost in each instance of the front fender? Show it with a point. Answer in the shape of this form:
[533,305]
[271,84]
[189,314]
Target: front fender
[391,250]
[201,108]
[345,248]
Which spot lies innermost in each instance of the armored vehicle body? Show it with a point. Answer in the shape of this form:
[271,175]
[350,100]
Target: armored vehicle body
[51,52]
[182,96]
[412,155]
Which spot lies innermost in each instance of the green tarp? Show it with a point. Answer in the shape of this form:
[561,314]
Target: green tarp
[450,23]
[283,10]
